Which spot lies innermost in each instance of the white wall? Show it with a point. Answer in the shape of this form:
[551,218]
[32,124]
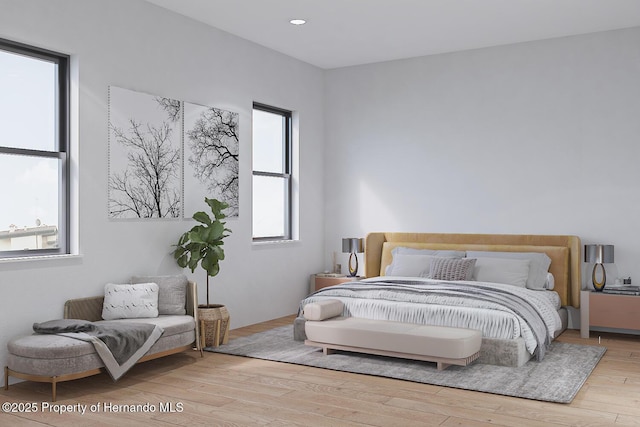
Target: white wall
[531,138]
[135,45]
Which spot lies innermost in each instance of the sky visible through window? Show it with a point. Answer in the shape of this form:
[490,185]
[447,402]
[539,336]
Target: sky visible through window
[269,193]
[28,185]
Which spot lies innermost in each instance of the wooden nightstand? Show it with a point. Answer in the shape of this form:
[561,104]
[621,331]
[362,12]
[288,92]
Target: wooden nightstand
[608,311]
[320,280]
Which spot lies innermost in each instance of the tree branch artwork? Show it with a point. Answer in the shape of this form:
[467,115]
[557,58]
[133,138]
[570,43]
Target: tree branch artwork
[214,142]
[172,107]
[166,154]
[148,185]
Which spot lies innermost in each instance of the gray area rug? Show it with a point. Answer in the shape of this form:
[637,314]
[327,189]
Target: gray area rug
[557,378]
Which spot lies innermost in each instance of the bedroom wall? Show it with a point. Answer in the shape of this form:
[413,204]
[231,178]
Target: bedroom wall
[135,45]
[532,138]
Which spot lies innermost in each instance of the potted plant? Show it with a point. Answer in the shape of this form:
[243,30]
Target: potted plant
[202,245]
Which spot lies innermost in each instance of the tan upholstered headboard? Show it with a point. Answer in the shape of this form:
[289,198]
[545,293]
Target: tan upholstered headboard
[564,251]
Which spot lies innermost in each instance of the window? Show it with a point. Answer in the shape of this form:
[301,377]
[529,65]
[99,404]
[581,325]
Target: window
[34,155]
[272,186]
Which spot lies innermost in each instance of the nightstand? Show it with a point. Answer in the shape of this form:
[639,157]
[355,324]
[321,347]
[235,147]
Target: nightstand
[321,280]
[608,311]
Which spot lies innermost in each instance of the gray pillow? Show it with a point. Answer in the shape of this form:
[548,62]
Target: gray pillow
[433,252]
[172,292]
[539,264]
[452,268]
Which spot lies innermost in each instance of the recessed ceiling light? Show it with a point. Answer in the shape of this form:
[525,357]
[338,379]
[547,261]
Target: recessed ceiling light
[298,21]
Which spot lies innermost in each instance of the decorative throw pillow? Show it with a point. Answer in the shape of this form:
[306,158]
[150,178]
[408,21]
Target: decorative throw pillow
[502,270]
[452,268]
[130,301]
[172,292]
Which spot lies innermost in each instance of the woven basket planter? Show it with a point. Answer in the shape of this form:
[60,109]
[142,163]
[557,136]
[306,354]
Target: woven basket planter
[214,321]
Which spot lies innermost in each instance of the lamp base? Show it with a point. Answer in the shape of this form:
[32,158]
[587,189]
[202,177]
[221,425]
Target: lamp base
[598,286]
[353,271]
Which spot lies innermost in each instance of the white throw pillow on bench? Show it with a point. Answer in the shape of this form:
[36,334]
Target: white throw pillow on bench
[130,301]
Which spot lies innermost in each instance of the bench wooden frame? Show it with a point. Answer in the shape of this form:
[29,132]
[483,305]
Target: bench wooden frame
[441,362]
[54,380]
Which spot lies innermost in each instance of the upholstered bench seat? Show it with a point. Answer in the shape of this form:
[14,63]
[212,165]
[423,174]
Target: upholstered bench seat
[54,358]
[56,355]
[443,345]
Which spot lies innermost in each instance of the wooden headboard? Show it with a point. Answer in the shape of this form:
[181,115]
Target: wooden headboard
[564,251]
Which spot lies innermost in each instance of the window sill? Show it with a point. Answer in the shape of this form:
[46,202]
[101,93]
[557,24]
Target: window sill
[40,258]
[266,243]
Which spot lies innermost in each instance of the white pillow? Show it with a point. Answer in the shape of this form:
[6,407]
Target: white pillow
[502,270]
[550,282]
[130,301]
[409,266]
[539,263]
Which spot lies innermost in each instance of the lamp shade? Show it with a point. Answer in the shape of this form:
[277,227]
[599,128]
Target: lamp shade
[352,245]
[599,254]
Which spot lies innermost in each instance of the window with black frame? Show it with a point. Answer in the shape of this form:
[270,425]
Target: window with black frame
[34,151]
[272,180]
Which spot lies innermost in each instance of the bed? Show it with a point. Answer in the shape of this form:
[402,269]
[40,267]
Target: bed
[510,266]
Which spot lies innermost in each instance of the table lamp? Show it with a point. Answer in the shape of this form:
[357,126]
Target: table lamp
[598,254]
[353,246]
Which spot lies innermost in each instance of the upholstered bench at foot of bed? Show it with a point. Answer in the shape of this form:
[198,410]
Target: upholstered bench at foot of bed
[493,351]
[443,345]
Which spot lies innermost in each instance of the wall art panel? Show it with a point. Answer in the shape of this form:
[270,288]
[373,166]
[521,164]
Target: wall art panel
[211,145]
[145,155]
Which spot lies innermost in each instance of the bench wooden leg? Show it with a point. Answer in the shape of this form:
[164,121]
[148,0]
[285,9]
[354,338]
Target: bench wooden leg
[54,382]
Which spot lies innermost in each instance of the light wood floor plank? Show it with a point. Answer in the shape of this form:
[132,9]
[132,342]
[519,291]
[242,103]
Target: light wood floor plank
[221,390]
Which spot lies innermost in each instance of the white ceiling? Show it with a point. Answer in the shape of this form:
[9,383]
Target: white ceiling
[341,33]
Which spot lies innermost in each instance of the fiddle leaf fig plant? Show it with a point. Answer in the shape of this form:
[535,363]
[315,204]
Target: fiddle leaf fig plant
[202,245]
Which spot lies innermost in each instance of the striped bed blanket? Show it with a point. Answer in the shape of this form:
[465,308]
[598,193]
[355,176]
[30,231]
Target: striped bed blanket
[499,311]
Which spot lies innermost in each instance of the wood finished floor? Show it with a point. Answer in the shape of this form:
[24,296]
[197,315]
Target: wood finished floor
[235,391]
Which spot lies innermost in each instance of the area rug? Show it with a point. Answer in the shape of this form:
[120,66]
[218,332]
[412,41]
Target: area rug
[557,378]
